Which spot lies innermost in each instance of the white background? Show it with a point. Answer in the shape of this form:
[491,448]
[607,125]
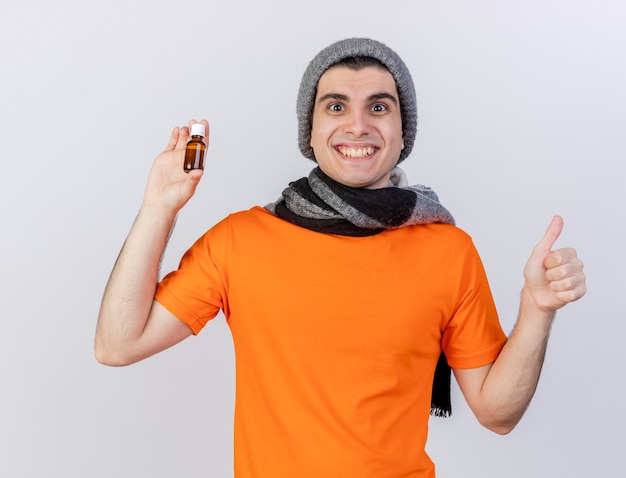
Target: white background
[522,115]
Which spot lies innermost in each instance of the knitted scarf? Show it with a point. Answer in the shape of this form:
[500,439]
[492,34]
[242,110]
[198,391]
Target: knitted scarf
[321,204]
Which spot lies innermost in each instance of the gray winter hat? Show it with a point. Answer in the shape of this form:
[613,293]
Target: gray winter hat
[332,55]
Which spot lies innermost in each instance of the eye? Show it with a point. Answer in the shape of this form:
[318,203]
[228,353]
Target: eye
[379,108]
[336,107]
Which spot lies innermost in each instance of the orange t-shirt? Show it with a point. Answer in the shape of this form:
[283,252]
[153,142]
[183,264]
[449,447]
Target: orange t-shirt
[336,338]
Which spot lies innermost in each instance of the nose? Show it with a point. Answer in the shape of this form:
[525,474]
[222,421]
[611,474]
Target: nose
[357,123]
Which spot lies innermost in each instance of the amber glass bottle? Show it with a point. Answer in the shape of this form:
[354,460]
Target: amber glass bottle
[194,154]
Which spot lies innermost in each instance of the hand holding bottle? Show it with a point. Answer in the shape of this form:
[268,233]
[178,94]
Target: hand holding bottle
[170,184]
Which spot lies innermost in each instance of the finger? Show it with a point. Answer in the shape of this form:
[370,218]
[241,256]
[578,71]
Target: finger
[568,280]
[572,292]
[191,182]
[569,283]
[553,232]
[173,139]
[183,137]
[206,129]
[562,257]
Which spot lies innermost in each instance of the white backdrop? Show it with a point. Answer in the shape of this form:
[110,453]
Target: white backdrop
[522,115]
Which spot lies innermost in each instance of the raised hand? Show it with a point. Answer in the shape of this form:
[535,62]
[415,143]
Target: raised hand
[169,186]
[553,278]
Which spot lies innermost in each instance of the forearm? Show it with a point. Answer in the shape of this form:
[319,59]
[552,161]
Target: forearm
[499,393]
[130,290]
[513,377]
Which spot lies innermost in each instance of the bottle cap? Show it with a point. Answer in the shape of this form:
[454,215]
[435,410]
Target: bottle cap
[197,129]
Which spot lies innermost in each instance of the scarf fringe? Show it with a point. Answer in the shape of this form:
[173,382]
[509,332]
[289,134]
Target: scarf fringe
[441,404]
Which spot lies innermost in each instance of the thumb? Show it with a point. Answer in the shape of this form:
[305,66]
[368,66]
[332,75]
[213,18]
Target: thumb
[543,247]
[191,182]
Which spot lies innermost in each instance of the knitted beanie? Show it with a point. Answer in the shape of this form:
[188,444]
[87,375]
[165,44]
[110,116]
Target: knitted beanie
[332,55]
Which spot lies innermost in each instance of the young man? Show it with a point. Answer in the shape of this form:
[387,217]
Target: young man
[342,295]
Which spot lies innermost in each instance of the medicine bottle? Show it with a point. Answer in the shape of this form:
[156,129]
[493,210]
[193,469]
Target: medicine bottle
[194,153]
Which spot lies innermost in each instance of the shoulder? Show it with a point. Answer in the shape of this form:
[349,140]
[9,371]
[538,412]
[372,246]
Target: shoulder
[245,218]
[254,214]
[249,225]
[254,220]
[438,233]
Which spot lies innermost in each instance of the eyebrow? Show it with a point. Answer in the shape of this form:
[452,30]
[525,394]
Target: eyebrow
[383,96]
[342,97]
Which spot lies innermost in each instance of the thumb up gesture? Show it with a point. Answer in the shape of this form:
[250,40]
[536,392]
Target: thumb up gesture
[553,278]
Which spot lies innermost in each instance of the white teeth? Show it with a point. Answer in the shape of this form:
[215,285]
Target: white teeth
[356,152]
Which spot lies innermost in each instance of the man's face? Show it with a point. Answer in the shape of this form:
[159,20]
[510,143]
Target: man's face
[357,128]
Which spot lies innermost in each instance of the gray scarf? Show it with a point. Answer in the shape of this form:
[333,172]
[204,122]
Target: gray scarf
[323,205]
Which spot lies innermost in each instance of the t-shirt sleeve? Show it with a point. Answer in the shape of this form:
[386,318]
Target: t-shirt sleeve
[196,291]
[473,336]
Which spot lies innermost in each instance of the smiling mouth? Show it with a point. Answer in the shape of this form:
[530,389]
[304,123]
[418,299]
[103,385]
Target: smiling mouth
[356,152]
